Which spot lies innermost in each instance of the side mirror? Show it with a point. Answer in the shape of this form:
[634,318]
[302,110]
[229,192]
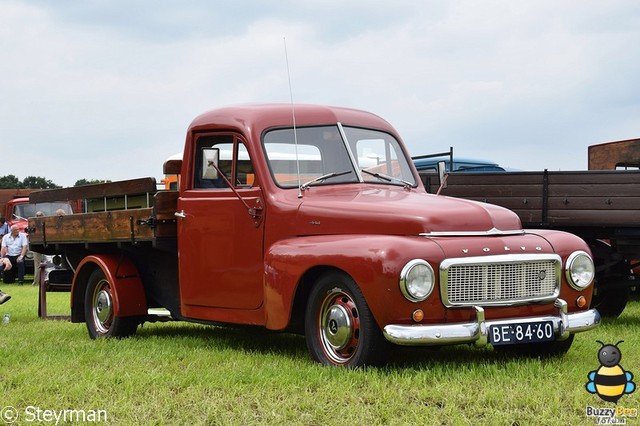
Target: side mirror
[210,160]
[442,170]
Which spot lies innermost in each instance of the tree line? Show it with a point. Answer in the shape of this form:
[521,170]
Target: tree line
[38,182]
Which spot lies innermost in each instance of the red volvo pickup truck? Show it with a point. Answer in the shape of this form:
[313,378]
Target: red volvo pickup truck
[313,219]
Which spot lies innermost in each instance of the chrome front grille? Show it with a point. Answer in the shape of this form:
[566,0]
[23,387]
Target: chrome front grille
[500,280]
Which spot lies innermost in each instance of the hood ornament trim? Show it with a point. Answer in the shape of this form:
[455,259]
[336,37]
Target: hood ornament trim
[490,232]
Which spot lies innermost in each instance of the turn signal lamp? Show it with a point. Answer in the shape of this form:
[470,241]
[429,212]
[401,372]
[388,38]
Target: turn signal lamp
[417,315]
[581,302]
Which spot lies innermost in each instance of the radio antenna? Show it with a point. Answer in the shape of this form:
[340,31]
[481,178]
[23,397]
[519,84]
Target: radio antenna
[293,115]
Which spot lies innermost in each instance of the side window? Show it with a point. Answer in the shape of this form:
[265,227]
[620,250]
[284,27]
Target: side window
[244,174]
[223,153]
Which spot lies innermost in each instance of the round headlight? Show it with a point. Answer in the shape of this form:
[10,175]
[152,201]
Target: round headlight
[580,270]
[417,280]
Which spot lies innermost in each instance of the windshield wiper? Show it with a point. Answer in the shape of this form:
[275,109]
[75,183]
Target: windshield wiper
[323,178]
[387,178]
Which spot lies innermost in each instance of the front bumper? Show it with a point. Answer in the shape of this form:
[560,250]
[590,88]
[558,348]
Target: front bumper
[564,324]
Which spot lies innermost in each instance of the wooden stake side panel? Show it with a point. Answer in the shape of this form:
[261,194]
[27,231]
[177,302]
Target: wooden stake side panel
[99,227]
[123,211]
[165,205]
[96,191]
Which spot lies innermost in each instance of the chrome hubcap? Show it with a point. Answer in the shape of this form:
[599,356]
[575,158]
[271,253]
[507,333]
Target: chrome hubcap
[337,327]
[102,307]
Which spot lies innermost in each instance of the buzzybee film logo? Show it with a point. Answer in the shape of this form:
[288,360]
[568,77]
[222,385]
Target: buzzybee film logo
[610,382]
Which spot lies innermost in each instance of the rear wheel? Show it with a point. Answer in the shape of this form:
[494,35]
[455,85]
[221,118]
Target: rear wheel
[99,310]
[339,327]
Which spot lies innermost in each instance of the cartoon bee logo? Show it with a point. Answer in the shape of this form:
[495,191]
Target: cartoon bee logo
[610,381]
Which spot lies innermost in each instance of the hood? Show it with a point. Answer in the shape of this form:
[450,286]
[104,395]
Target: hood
[364,209]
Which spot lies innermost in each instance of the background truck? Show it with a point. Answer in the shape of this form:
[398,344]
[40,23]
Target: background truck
[428,164]
[7,194]
[318,225]
[18,209]
[600,206]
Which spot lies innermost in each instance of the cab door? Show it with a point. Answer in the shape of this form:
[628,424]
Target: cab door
[220,251]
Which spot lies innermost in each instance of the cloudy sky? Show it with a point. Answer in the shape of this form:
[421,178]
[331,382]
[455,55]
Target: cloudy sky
[105,89]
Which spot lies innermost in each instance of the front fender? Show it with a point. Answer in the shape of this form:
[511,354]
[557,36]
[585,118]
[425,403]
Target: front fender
[373,261]
[128,290]
[564,244]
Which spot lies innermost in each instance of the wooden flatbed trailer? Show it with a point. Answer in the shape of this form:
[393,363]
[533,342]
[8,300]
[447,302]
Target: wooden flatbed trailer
[600,206]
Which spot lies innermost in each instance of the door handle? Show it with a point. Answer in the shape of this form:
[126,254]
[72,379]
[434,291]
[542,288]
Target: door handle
[181,214]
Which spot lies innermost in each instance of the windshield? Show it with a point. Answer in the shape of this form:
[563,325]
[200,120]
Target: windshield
[324,158]
[49,209]
[379,155]
[320,152]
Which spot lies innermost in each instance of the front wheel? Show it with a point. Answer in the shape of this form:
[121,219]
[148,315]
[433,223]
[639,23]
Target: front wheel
[339,327]
[99,310]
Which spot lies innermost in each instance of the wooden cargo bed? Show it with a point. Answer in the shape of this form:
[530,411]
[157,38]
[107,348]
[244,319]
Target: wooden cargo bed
[130,211]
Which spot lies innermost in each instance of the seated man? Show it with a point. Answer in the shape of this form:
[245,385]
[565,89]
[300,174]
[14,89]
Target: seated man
[5,265]
[14,247]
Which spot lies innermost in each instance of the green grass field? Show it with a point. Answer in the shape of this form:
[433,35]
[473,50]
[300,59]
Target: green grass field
[187,374]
